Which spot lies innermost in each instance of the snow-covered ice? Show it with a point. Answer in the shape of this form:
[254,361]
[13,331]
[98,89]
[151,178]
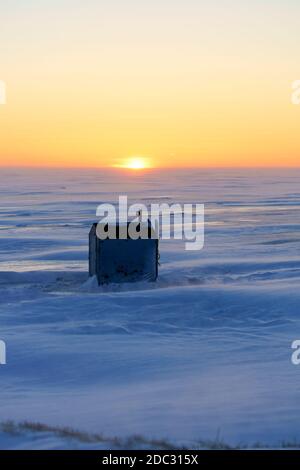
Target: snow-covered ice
[205,351]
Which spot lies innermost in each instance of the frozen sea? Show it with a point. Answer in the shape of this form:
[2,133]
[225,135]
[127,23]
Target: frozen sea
[204,352]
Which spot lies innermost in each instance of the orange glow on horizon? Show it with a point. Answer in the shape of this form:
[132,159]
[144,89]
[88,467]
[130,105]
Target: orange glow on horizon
[204,87]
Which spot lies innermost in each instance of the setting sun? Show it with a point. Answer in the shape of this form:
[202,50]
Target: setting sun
[135,163]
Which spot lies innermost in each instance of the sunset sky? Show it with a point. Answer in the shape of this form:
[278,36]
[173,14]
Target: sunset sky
[177,82]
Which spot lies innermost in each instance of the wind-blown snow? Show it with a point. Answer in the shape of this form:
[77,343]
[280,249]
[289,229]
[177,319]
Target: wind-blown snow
[205,350]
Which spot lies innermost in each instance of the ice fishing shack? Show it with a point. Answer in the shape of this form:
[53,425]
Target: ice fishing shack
[121,258]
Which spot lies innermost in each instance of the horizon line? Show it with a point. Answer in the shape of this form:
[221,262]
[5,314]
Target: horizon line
[114,168]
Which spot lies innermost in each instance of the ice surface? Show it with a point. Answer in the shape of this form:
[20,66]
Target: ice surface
[205,350]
